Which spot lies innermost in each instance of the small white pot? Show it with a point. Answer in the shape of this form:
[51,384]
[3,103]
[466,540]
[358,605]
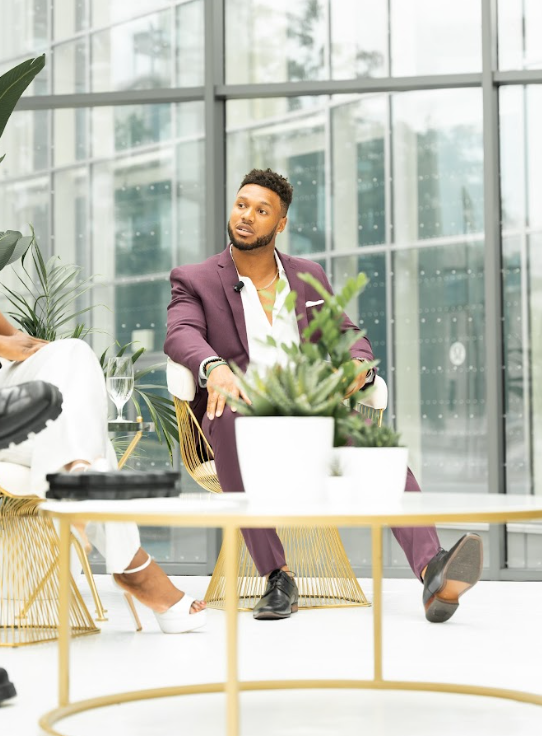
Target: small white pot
[375,472]
[284,457]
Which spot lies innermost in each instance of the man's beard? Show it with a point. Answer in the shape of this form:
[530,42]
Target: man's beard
[258,243]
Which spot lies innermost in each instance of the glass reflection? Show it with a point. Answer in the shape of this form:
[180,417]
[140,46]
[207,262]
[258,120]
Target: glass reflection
[104,12]
[23,202]
[25,142]
[296,151]
[71,217]
[369,312]
[435,38]
[24,30]
[190,201]
[73,18]
[520,34]
[70,67]
[512,104]
[359,38]
[190,41]
[358,181]
[70,135]
[439,364]
[275,40]
[437,164]
[521,183]
[142,306]
[135,55]
[516,374]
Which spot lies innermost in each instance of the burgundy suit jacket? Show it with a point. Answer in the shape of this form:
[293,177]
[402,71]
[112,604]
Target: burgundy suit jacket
[206,316]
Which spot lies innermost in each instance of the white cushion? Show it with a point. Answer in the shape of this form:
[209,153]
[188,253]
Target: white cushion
[180,381]
[378,398]
[15,479]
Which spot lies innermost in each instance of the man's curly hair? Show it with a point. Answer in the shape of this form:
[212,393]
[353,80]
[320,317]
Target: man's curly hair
[271,180]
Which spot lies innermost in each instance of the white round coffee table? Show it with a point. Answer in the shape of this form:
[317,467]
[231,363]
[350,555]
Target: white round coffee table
[230,512]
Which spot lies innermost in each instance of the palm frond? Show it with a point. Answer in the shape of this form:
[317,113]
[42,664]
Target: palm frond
[50,294]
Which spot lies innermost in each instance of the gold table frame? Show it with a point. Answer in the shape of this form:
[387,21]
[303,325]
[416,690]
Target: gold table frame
[492,508]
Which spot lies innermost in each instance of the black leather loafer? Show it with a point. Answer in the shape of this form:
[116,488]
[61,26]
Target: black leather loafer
[449,575]
[280,599]
[27,408]
[7,688]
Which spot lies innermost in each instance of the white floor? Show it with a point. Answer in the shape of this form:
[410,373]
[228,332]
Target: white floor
[495,639]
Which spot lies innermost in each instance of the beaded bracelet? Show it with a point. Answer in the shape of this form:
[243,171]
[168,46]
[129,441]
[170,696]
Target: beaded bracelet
[210,367]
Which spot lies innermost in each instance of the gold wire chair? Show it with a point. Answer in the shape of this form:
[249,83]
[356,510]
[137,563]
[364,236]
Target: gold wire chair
[29,582]
[29,576]
[323,572]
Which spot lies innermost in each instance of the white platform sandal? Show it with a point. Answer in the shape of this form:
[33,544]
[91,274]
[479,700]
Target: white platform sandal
[176,620]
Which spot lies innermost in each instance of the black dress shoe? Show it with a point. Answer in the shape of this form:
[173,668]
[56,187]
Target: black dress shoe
[27,408]
[449,575]
[280,598]
[7,688]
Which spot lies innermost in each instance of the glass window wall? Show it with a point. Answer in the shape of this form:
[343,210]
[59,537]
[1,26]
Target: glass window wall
[391,183]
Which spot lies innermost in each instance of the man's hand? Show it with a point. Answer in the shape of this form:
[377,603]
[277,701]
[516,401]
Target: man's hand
[19,347]
[220,379]
[357,384]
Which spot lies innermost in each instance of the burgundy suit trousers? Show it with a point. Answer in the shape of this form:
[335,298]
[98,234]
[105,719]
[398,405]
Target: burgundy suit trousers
[419,544]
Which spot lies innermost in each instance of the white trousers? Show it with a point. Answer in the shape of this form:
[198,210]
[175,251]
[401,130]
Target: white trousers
[79,433]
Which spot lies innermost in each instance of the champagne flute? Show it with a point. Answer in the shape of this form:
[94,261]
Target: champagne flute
[120,383]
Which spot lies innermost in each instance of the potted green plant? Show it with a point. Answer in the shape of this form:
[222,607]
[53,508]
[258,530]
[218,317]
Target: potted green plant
[367,459]
[292,411]
[294,406]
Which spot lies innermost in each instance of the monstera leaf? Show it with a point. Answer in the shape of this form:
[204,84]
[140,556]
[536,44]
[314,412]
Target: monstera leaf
[13,83]
[13,245]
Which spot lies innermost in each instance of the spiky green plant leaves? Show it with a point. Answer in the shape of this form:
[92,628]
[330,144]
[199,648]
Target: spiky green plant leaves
[318,372]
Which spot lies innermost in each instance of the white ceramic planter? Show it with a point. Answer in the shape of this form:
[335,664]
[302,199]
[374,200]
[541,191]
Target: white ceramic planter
[284,457]
[375,472]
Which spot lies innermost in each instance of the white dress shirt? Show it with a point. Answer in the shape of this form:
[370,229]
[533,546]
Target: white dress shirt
[283,328]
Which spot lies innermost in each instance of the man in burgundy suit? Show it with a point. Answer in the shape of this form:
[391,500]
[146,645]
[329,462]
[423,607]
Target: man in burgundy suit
[220,313]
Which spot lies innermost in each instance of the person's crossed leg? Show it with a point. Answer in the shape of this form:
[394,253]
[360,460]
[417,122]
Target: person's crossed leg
[446,575]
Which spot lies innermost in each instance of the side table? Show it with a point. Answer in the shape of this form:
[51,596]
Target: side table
[138,426]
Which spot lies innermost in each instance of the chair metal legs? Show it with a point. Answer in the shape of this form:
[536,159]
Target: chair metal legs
[29,577]
[323,573]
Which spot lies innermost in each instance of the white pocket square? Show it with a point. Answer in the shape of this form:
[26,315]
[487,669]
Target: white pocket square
[314,304]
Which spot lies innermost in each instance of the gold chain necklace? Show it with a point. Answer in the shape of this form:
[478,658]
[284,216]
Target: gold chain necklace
[275,277]
[263,287]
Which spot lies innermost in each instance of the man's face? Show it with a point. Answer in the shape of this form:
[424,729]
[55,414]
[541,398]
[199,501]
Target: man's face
[255,218]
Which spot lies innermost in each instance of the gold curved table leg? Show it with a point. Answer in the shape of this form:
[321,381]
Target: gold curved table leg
[376,541]
[232,684]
